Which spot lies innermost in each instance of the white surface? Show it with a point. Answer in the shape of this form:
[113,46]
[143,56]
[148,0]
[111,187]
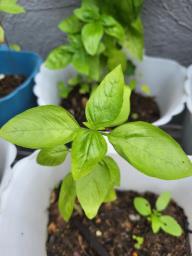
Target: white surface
[188,88]
[23,216]
[166,79]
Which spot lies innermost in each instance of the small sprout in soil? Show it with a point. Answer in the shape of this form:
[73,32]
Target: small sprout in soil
[139,240]
[146,89]
[156,217]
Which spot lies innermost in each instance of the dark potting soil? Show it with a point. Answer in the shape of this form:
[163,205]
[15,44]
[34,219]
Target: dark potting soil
[143,108]
[9,83]
[111,232]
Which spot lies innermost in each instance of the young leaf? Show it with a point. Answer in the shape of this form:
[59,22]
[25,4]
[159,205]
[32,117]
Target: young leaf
[52,156]
[2,35]
[40,127]
[151,151]
[59,58]
[142,206]
[71,25]
[91,37]
[87,13]
[67,197]
[113,27]
[11,6]
[155,223]
[101,110]
[89,148]
[171,226]
[93,189]
[163,201]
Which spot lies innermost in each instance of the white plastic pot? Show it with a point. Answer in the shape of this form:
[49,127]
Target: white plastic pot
[24,204]
[166,79]
[7,155]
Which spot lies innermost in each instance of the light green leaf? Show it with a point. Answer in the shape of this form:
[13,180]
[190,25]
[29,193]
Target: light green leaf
[163,201]
[80,62]
[2,35]
[67,197]
[71,25]
[52,156]
[111,196]
[142,206]
[171,226]
[89,148]
[91,36]
[105,103]
[93,189]
[87,13]
[40,127]
[155,223]
[115,58]
[11,6]
[113,27]
[15,47]
[59,58]
[151,151]
[94,67]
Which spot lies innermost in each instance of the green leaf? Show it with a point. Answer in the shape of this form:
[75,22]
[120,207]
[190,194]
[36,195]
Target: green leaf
[113,27]
[59,58]
[116,57]
[142,206]
[80,62]
[71,25]
[171,226]
[40,127]
[163,201]
[63,90]
[15,47]
[111,196]
[11,6]
[93,189]
[87,13]
[91,36]
[105,103]
[52,156]
[155,223]
[151,151]
[89,148]
[2,35]
[67,197]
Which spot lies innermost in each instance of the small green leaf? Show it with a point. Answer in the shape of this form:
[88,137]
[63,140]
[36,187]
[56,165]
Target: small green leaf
[113,170]
[11,6]
[52,156]
[2,35]
[142,206]
[91,36]
[115,58]
[71,25]
[93,189]
[155,223]
[40,127]
[113,27]
[106,101]
[59,58]
[171,226]
[67,197]
[89,148]
[87,13]
[139,242]
[151,150]
[80,62]
[15,47]
[63,90]
[163,201]
[146,89]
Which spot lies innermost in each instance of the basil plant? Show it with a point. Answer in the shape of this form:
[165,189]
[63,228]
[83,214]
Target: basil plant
[94,175]
[100,35]
[11,7]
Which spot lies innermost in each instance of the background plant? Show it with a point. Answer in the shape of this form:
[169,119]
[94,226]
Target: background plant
[11,7]
[99,33]
[156,217]
[94,175]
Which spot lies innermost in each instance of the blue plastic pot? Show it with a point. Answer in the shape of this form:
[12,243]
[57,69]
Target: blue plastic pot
[20,63]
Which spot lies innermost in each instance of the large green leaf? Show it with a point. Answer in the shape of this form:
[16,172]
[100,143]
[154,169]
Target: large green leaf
[89,148]
[52,156]
[151,151]
[40,127]
[59,58]
[93,189]
[71,25]
[2,35]
[105,103]
[91,36]
[67,197]
[11,6]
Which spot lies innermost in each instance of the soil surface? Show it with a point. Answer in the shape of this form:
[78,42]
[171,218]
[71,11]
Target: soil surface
[143,108]
[111,232]
[9,83]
